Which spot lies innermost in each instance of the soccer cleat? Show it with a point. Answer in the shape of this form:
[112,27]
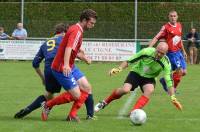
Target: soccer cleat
[73,119]
[45,111]
[91,117]
[21,113]
[99,106]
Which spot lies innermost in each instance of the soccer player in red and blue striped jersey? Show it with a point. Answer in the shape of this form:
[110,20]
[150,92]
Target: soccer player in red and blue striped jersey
[47,52]
[171,32]
[64,70]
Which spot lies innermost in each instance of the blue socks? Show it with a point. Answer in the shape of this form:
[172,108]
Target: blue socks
[36,104]
[89,103]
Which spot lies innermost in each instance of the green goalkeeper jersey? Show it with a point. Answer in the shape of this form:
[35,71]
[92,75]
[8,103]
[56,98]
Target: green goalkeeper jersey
[148,66]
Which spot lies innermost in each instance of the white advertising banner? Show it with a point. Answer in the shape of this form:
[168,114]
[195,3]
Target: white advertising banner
[96,50]
[19,49]
[109,51]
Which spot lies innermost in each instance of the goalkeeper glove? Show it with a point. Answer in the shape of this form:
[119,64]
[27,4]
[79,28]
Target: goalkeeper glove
[115,71]
[176,103]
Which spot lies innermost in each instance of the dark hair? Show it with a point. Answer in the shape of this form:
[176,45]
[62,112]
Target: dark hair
[61,27]
[87,14]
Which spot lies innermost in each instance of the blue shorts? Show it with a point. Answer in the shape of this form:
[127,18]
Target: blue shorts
[177,60]
[51,84]
[68,82]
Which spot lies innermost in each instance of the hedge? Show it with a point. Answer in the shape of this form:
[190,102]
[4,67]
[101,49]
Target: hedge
[115,20]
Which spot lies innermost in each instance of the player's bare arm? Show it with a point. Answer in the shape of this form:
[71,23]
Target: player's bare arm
[153,42]
[40,74]
[81,55]
[124,65]
[66,68]
[183,50]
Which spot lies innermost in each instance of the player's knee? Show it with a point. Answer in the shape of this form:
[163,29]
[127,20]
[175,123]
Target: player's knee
[87,88]
[148,91]
[75,92]
[123,91]
[184,72]
[126,88]
[48,95]
[76,97]
[126,91]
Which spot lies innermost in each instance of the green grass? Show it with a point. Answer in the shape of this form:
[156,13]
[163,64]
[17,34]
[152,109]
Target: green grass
[19,85]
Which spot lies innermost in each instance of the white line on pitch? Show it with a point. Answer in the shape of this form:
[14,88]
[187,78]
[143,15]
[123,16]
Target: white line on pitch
[169,119]
[129,102]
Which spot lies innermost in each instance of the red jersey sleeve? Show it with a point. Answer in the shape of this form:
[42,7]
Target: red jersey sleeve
[162,33]
[73,38]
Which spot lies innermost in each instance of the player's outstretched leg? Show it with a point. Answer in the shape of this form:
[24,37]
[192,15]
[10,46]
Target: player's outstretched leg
[21,113]
[33,106]
[101,105]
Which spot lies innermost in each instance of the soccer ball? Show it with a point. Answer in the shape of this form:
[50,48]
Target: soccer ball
[138,117]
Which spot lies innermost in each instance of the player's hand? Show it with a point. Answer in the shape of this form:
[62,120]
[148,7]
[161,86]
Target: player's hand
[88,61]
[115,71]
[176,103]
[66,71]
[185,55]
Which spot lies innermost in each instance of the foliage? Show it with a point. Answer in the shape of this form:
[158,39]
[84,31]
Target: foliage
[115,20]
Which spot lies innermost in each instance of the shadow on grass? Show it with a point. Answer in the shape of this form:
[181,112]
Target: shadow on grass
[111,115]
[28,118]
[52,119]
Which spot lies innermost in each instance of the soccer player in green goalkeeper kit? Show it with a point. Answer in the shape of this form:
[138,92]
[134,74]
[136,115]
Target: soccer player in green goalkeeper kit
[146,65]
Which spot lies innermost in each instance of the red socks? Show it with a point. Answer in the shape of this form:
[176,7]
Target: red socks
[78,103]
[112,97]
[63,98]
[176,79]
[141,102]
[66,97]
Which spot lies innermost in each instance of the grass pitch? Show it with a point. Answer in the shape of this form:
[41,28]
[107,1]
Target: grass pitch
[19,85]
